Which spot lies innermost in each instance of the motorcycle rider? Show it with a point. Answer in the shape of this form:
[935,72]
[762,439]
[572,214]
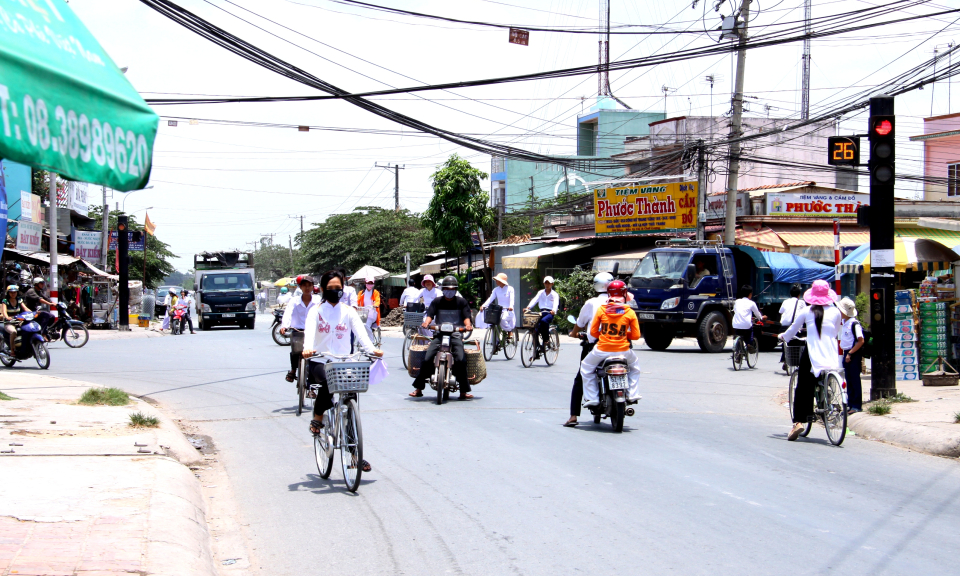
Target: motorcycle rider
[584,320]
[614,326]
[170,301]
[284,297]
[370,299]
[187,301]
[455,309]
[547,300]
[11,305]
[34,298]
[295,322]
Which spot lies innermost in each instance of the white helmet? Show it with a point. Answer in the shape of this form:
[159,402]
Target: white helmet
[38,280]
[601,280]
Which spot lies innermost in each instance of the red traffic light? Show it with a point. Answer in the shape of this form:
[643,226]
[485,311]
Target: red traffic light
[883,127]
[876,295]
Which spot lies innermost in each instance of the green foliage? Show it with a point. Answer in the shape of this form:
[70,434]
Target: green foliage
[6,397]
[879,408]
[105,396]
[899,398]
[469,289]
[40,183]
[459,205]
[141,420]
[158,252]
[574,291]
[956,418]
[274,262]
[177,278]
[368,235]
[863,309]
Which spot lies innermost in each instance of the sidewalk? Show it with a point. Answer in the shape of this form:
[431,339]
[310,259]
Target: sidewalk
[85,493]
[135,332]
[927,425]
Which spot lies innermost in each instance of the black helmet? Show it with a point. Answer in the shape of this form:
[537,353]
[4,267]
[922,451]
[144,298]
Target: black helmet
[449,283]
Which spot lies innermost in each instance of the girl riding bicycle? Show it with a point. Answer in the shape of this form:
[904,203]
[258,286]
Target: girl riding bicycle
[822,320]
[743,311]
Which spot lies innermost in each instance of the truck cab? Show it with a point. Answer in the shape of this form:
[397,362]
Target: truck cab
[225,289]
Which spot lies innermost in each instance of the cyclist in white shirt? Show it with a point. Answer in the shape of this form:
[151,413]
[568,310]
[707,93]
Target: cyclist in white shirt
[744,309]
[548,301]
[502,295]
[789,310]
[410,294]
[429,292]
[295,321]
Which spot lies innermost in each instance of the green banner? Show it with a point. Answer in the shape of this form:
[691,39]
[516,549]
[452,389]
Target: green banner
[64,104]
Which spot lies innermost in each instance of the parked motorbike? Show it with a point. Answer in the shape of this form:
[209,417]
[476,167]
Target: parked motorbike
[73,332]
[178,319]
[29,343]
[280,339]
[613,384]
[443,380]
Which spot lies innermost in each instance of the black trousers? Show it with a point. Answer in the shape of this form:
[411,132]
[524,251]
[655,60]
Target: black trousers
[803,394]
[851,371]
[189,322]
[296,349]
[459,364]
[317,374]
[576,395]
[746,334]
[542,332]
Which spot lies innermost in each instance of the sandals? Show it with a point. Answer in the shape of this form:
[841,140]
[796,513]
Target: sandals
[291,376]
[571,423]
[365,466]
[466,396]
[316,427]
[416,394]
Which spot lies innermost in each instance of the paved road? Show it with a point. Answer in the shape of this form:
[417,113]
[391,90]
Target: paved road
[702,481]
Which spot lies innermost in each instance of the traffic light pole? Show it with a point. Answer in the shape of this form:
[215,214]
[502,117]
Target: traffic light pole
[882,156]
[123,293]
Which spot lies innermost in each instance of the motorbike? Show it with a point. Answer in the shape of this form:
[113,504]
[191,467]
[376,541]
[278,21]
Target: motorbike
[613,384]
[280,339]
[178,319]
[28,344]
[73,332]
[443,380]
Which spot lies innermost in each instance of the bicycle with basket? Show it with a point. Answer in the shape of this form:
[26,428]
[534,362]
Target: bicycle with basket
[830,402]
[496,338]
[551,347]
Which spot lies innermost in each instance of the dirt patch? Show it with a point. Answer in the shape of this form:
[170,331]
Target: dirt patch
[202,442]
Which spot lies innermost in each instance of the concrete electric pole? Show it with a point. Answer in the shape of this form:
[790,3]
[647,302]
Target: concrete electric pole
[396,183]
[730,229]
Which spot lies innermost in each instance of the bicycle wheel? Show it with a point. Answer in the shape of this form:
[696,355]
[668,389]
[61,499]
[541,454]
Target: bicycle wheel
[752,357]
[441,376]
[509,341]
[301,386]
[736,356]
[405,350]
[76,336]
[835,413]
[323,450]
[526,350]
[790,393]
[280,339]
[489,343]
[351,445]
[553,347]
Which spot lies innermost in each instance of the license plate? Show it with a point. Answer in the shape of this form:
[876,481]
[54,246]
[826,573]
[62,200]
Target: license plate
[617,382]
[643,316]
[229,316]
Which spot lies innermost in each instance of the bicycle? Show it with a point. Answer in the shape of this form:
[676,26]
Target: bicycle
[742,351]
[364,314]
[496,338]
[551,347]
[830,398]
[346,377]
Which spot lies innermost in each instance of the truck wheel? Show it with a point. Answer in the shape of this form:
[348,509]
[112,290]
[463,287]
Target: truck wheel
[657,336]
[712,332]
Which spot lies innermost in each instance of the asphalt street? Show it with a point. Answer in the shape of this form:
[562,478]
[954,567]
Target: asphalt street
[702,480]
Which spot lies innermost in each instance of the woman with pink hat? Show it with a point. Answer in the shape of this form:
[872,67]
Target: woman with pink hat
[823,322]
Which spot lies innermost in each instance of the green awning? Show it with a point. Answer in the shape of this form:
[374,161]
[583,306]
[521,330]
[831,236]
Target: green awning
[65,105]
[948,238]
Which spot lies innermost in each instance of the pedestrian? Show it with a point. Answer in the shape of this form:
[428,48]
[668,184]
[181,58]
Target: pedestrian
[851,341]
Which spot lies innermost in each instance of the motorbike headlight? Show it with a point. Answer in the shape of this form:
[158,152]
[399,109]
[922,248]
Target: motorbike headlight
[205,308]
[252,306]
[670,303]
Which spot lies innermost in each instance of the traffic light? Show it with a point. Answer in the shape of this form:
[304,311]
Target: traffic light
[882,150]
[878,304]
[863,215]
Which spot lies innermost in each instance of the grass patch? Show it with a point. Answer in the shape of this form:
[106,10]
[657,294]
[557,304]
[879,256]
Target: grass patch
[141,420]
[956,418]
[900,397]
[5,397]
[879,408]
[105,396]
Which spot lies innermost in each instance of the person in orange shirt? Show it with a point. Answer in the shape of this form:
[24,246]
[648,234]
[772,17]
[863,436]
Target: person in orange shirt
[614,326]
[370,299]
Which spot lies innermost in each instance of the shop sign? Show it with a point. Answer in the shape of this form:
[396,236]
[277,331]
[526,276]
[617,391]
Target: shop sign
[30,207]
[645,209]
[830,205]
[717,205]
[88,244]
[28,236]
[77,194]
[131,245]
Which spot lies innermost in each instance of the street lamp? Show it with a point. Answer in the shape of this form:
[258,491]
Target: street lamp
[148,208]
[124,208]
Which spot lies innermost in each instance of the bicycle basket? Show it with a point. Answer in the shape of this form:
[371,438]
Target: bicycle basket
[792,352]
[418,350]
[347,376]
[364,313]
[412,319]
[492,314]
[530,319]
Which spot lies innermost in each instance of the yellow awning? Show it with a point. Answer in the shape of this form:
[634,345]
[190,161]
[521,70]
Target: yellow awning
[628,259]
[529,259]
[948,238]
[822,237]
[763,239]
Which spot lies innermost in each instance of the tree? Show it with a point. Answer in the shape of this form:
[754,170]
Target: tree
[368,235]
[459,205]
[575,290]
[158,253]
[274,262]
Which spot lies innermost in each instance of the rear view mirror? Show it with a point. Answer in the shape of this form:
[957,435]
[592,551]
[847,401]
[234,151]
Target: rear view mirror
[691,273]
[571,319]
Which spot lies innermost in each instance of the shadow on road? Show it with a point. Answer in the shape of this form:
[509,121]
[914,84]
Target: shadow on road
[318,485]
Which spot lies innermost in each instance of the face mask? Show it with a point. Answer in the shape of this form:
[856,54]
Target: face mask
[449,293]
[332,295]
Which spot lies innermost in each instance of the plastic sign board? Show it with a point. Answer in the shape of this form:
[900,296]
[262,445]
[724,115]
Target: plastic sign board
[518,36]
[827,205]
[28,236]
[88,244]
[645,209]
[843,150]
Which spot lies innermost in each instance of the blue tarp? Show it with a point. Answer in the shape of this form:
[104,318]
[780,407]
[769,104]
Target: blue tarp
[790,268]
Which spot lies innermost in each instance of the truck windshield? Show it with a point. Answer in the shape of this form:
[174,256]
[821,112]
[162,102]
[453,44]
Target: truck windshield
[235,281]
[670,265]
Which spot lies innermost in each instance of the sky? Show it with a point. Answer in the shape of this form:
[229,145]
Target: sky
[219,187]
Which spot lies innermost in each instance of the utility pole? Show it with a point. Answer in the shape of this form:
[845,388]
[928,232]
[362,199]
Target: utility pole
[270,236]
[406,259]
[805,88]
[301,224]
[501,197]
[292,266]
[52,215]
[530,216]
[603,80]
[701,190]
[123,293]
[396,183]
[730,229]
[105,229]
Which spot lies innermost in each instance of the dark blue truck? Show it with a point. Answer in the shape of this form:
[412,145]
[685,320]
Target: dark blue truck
[225,287]
[685,288]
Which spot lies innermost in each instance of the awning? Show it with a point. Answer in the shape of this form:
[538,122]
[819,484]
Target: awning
[628,259]
[432,267]
[529,259]
[909,254]
[763,239]
[43,257]
[945,237]
[812,242]
[98,271]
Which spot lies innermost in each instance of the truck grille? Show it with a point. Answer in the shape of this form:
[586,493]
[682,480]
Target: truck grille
[228,308]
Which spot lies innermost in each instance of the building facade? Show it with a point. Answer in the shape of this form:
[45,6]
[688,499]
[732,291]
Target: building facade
[941,157]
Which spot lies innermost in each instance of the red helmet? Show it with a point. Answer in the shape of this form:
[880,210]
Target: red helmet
[617,289]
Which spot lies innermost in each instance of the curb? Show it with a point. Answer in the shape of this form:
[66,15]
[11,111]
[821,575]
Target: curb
[911,436]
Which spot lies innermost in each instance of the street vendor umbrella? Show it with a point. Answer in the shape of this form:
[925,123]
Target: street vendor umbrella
[285,282]
[66,107]
[908,254]
[369,272]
